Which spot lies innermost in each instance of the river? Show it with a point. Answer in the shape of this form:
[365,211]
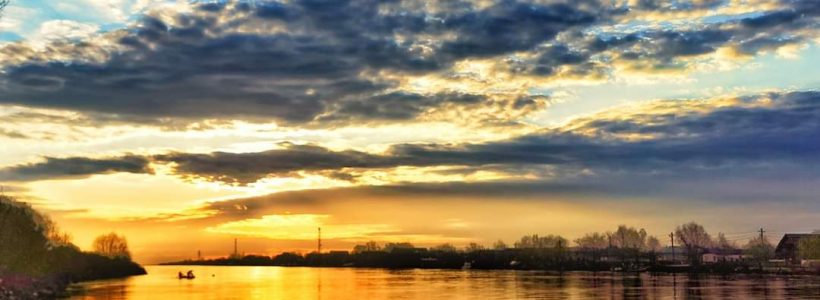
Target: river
[216,282]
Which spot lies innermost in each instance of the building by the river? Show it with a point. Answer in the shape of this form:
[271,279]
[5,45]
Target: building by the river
[787,247]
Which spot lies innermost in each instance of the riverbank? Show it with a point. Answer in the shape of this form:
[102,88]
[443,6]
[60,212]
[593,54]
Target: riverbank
[38,261]
[489,260]
[15,286]
[85,267]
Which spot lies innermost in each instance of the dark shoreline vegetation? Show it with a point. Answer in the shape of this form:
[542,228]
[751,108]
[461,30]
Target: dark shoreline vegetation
[625,250]
[37,261]
[508,259]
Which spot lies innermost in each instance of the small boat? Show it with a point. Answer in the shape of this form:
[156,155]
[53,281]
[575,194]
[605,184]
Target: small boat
[189,275]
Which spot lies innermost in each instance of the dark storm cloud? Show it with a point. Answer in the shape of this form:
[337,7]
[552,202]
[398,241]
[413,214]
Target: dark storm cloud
[553,57]
[681,139]
[400,105]
[314,62]
[250,167]
[75,167]
[665,5]
[204,65]
[687,141]
[513,26]
[794,22]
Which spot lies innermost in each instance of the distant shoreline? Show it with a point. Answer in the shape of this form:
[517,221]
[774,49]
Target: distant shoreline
[701,272]
[462,261]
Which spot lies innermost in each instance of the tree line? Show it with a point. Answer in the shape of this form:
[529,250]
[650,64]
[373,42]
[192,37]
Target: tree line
[625,248]
[37,254]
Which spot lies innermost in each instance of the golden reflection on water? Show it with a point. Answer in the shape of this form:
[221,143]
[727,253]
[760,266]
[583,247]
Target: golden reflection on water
[329,283]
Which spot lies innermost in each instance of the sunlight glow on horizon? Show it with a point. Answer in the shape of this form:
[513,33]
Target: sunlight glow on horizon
[407,121]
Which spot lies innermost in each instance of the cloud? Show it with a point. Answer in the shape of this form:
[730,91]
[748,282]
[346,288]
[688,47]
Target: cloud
[660,46]
[758,135]
[306,61]
[401,105]
[526,202]
[64,29]
[74,167]
[250,167]
[684,136]
[295,63]
[13,134]
[510,26]
[326,63]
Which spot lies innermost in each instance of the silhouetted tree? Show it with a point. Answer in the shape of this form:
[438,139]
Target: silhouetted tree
[724,244]
[111,245]
[288,259]
[24,241]
[370,246]
[809,248]
[592,244]
[695,238]
[629,238]
[592,241]
[473,247]
[34,250]
[54,235]
[541,242]
[446,247]
[500,245]
[653,245]
[389,247]
[760,250]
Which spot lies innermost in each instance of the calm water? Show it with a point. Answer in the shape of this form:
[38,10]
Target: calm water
[328,283]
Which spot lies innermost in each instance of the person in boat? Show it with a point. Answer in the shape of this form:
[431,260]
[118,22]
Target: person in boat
[189,275]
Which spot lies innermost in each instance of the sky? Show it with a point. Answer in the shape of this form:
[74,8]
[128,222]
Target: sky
[186,124]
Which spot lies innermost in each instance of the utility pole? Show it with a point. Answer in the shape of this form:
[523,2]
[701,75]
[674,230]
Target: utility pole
[609,249]
[560,254]
[235,249]
[609,236]
[761,236]
[198,254]
[672,238]
[622,247]
[319,242]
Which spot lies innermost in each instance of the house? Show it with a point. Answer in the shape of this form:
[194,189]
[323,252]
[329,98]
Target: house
[674,255]
[787,247]
[716,255]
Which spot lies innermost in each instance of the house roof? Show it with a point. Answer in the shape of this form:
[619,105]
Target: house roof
[790,240]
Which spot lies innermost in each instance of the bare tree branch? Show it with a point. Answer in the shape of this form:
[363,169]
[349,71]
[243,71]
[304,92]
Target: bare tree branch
[3,4]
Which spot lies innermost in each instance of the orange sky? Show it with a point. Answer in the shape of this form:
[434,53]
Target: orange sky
[184,125]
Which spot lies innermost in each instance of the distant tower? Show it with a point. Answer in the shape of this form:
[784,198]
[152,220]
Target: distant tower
[319,243]
[235,249]
[198,255]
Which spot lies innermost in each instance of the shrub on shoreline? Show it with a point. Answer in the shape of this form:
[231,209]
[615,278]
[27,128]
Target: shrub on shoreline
[37,261]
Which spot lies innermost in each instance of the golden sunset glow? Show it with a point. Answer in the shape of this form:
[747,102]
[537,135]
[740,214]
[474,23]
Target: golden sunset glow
[426,122]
